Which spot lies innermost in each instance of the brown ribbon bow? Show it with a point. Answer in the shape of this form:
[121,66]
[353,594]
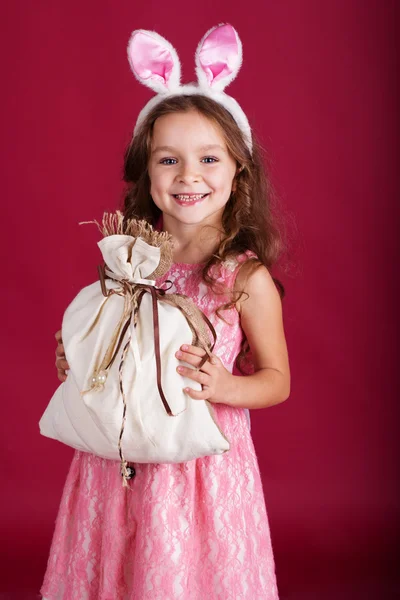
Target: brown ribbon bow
[155,293]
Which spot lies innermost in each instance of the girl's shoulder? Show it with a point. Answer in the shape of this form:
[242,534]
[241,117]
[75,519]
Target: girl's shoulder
[235,262]
[227,271]
[250,274]
[242,266]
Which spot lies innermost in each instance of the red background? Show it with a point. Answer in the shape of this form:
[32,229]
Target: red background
[318,84]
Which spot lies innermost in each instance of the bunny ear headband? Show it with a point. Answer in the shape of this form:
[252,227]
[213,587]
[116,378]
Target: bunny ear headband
[218,58]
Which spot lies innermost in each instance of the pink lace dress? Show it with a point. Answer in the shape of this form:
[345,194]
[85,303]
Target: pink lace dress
[191,531]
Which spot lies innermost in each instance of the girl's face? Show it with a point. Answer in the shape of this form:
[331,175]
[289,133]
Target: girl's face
[191,171]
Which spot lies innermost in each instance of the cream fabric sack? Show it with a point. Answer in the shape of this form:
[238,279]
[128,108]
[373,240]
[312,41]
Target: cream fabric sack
[111,404]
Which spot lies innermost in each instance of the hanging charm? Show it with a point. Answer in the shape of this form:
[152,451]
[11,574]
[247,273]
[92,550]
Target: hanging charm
[127,473]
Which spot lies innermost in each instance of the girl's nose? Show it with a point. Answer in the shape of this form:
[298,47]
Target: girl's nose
[188,174]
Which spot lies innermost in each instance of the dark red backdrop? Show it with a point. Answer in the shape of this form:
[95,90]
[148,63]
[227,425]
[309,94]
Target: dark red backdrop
[318,85]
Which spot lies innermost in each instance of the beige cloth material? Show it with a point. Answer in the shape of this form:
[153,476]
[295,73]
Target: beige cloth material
[88,415]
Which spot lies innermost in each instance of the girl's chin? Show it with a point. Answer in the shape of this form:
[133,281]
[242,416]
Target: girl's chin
[194,217]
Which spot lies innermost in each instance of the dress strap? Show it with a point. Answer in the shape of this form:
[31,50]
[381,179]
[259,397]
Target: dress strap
[237,264]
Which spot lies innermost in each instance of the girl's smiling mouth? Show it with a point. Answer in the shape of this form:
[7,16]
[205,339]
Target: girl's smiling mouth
[189,199]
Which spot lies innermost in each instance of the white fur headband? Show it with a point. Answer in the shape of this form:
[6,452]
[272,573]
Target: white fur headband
[218,58]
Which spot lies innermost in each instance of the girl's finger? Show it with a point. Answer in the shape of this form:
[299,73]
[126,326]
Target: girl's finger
[186,357]
[58,336]
[196,360]
[62,365]
[60,351]
[203,395]
[195,375]
[191,359]
[61,375]
[192,350]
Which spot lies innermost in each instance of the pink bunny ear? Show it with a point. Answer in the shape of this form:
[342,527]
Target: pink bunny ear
[218,57]
[154,61]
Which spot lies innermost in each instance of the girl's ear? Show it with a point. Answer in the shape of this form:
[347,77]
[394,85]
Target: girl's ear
[218,57]
[154,61]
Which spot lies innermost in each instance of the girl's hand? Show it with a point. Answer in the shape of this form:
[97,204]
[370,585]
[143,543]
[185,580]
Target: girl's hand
[216,380]
[61,362]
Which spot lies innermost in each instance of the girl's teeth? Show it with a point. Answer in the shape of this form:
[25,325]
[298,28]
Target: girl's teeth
[188,198]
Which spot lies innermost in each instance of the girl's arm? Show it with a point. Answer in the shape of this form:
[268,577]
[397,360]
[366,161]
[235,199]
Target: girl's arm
[260,310]
[262,322]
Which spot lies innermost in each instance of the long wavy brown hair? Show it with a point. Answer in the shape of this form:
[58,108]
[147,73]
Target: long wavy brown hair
[248,220]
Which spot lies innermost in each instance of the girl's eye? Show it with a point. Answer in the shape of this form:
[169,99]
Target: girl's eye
[173,161]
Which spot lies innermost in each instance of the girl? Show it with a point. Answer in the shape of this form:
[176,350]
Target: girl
[196,530]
